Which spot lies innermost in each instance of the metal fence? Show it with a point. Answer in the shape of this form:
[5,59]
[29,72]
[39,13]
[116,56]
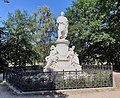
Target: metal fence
[33,78]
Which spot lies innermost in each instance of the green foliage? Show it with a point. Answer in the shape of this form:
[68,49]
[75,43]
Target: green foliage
[26,39]
[17,42]
[44,31]
[3,61]
[110,14]
[82,25]
[88,30]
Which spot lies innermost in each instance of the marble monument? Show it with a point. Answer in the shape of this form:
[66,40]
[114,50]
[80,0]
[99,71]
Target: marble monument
[62,57]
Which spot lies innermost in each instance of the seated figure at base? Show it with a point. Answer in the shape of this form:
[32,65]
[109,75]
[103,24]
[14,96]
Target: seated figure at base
[75,60]
[70,54]
[73,57]
[52,58]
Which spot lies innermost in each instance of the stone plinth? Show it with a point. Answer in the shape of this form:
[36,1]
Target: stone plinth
[63,58]
[64,65]
[62,47]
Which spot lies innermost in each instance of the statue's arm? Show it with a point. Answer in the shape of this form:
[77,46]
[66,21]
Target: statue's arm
[58,20]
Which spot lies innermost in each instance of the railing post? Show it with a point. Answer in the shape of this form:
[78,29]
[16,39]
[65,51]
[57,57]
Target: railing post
[111,70]
[3,73]
[76,74]
[63,80]
[100,75]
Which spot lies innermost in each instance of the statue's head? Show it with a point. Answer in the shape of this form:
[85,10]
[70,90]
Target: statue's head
[73,47]
[62,13]
[52,47]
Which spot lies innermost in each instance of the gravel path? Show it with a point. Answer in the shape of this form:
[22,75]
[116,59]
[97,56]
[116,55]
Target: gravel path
[5,92]
[117,79]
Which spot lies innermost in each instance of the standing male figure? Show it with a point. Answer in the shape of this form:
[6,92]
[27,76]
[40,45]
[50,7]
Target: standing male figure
[62,26]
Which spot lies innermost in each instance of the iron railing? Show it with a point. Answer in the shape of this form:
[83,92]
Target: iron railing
[34,79]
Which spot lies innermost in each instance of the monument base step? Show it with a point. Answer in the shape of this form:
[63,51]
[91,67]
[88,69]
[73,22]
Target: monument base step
[66,68]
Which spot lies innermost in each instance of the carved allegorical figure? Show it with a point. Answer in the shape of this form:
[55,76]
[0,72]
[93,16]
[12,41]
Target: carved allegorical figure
[62,26]
[75,60]
[53,57]
[70,54]
[73,57]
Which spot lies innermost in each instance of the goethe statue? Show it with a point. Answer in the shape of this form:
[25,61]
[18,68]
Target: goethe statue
[61,56]
[62,26]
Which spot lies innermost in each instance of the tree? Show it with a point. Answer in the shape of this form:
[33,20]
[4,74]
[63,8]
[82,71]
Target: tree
[3,61]
[19,49]
[6,1]
[86,31]
[109,11]
[43,26]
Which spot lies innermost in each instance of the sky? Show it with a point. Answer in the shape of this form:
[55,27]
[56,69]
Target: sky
[31,6]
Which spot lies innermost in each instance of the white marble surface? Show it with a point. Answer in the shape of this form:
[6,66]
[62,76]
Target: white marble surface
[62,26]
[62,48]
[62,57]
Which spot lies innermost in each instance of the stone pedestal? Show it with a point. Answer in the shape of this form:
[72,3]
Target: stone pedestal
[62,47]
[63,62]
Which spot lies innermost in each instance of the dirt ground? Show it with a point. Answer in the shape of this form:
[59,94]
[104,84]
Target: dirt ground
[117,79]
